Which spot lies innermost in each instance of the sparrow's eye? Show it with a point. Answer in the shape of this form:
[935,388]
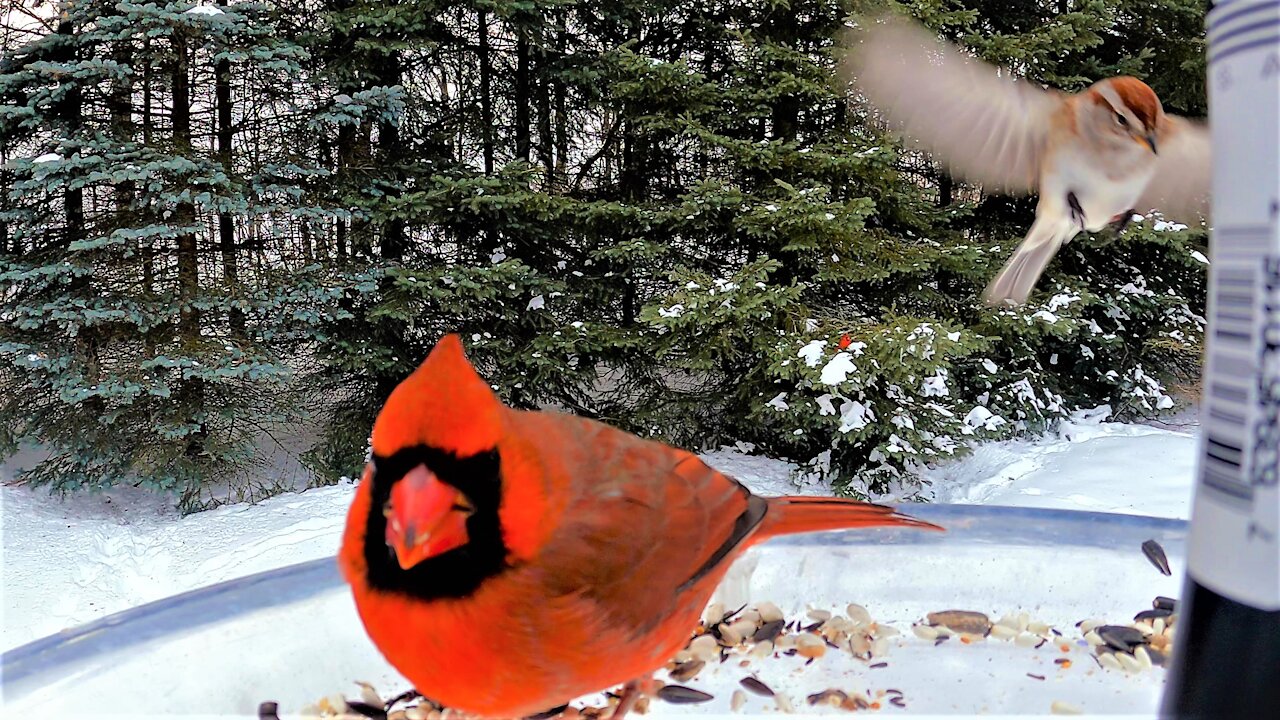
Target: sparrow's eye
[1122,120]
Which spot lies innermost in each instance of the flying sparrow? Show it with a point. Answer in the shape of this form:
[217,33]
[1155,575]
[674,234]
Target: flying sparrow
[1093,156]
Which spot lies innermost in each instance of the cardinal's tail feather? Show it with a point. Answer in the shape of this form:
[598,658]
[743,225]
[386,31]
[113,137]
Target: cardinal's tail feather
[791,515]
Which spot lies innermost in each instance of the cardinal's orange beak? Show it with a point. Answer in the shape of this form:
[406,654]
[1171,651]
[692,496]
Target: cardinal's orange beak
[425,517]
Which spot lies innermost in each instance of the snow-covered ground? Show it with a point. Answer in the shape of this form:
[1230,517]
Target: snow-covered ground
[66,563]
[1087,464]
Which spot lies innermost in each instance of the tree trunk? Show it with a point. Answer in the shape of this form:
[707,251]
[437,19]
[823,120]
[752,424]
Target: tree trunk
[946,189]
[562,132]
[192,393]
[148,134]
[184,214]
[226,222]
[345,152]
[71,111]
[394,239]
[148,121]
[522,94]
[342,56]
[308,253]
[7,245]
[361,240]
[785,116]
[561,113]
[543,90]
[120,105]
[486,93]
[632,184]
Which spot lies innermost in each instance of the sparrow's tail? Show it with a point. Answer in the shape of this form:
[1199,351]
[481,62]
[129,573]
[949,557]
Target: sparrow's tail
[1018,276]
[791,515]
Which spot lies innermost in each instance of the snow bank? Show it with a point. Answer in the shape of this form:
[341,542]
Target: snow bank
[66,563]
[1087,464]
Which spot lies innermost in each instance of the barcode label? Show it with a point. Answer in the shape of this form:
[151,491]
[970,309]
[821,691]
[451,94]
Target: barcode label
[1231,378]
[1244,352]
[1235,530]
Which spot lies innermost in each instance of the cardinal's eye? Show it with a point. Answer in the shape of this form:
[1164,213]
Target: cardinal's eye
[1121,119]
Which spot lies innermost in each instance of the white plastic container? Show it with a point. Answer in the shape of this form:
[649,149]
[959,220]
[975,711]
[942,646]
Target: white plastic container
[292,635]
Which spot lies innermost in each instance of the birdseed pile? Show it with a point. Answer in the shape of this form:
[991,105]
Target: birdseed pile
[745,640]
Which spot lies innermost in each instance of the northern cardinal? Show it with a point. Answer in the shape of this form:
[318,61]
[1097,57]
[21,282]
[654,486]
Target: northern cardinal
[1093,156]
[509,561]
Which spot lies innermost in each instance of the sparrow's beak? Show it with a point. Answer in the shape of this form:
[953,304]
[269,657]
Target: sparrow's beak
[1150,140]
[425,517]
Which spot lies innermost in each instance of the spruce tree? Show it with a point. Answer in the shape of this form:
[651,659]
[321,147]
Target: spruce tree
[848,335]
[135,348]
[665,215]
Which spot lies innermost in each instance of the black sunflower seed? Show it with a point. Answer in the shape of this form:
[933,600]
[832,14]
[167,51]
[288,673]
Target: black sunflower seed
[403,697]
[967,621]
[1157,658]
[729,616]
[681,695]
[756,686]
[768,631]
[1164,603]
[268,711]
[1156,555]
[1153,614]
[685,671]
[1120,637]
[816,698]
[364,709]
